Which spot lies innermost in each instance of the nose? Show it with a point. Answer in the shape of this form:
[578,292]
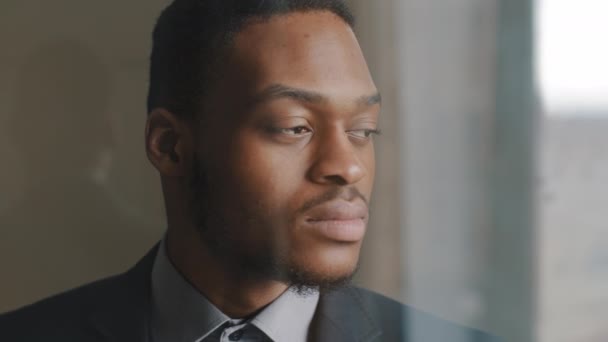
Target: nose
[337,161]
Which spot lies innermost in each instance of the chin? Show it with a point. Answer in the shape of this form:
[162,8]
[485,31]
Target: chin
[324,269]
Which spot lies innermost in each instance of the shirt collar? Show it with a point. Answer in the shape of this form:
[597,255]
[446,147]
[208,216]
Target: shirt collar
[179,311]
[288,317]
[182,313]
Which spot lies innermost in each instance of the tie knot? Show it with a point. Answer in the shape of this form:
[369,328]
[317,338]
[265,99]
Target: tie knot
[237,330]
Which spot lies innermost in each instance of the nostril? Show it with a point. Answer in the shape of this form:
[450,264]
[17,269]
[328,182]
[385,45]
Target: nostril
[336,179]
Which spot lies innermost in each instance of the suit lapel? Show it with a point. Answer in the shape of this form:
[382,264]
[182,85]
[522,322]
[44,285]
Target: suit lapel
[341,316]
[124,316]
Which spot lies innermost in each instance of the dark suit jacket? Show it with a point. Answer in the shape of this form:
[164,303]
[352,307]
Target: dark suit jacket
[116,309]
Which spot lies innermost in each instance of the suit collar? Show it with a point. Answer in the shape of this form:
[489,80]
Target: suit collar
[124,317]
[342,316]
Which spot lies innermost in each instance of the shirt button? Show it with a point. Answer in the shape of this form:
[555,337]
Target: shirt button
[235,336]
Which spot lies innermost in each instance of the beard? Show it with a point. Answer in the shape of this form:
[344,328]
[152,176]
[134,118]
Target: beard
[224,233]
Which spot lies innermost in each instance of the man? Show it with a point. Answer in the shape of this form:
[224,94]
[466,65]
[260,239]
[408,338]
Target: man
[261,122]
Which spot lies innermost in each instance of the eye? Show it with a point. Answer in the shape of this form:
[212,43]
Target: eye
[295,131]
[363,133]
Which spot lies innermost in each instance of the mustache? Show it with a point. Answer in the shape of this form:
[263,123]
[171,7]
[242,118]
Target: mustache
[347,194]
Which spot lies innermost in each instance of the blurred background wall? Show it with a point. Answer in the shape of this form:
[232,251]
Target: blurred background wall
[489,198]
[79,200]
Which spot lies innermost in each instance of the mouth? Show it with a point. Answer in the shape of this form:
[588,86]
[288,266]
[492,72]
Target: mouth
[339,221]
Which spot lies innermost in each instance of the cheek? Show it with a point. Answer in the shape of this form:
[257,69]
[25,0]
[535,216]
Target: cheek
[267,176]
[371,162]
[266,186]
[368,161]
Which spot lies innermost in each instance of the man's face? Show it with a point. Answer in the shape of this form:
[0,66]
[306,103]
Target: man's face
[285,158]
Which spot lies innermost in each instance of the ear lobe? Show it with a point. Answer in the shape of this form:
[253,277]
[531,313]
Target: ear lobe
[167,142]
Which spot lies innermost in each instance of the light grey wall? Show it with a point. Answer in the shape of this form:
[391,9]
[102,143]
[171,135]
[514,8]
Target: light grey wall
[448,54]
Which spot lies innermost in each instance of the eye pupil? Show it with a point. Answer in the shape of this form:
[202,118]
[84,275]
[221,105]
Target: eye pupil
[298,130]
[364,133]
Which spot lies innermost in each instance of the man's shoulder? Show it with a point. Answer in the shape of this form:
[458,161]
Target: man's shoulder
[64,313]
[117,303]
[396,319]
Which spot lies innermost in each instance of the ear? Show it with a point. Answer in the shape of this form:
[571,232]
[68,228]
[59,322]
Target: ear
[169,143]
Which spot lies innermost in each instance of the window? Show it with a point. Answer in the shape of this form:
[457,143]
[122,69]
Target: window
[572,77]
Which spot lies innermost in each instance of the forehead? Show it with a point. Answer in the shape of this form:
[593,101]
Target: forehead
[311,50]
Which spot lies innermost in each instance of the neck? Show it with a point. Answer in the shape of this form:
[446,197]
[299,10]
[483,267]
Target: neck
[235,294]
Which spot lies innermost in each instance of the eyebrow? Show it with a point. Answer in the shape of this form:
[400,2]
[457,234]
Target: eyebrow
[279,91]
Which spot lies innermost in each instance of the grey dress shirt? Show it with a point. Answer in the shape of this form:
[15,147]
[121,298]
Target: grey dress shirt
[180,313]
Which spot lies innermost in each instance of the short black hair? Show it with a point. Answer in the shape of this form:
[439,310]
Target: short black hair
[191,36]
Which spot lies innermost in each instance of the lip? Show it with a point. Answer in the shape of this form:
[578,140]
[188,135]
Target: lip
[339,221]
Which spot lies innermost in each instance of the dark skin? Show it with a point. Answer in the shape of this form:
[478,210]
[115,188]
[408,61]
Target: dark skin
[287,138]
